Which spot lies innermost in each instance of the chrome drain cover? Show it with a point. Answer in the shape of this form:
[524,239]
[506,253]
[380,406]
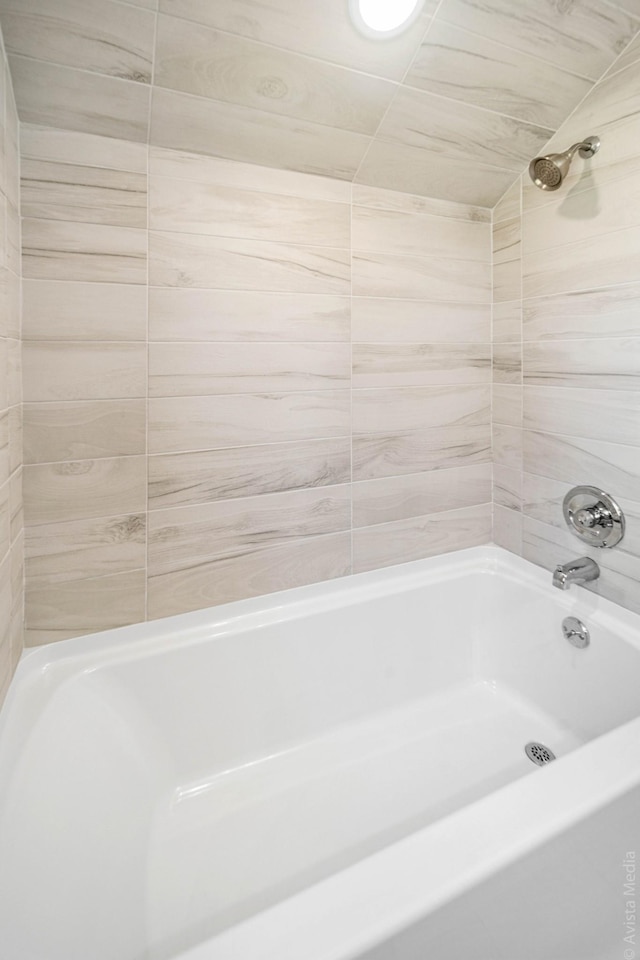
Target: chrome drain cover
[538,753]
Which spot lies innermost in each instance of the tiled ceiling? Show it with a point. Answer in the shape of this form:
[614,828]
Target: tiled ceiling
[453,108]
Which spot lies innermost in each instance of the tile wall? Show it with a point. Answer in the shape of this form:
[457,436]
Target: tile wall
[11,514]
[239,379]
[571,413]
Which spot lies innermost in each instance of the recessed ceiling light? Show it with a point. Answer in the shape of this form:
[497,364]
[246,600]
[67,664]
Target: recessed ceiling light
[384,18]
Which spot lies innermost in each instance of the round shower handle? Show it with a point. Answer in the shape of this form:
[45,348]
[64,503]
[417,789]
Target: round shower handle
[593,516]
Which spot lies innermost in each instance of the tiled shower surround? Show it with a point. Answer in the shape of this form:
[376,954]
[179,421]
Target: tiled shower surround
[567,291]
[11,528]
[240,379]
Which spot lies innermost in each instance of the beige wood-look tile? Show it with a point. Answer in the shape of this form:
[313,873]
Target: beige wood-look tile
[419,321]
[81,489]
[184,537]
[78,607]
[69,310]
[11,146]
[395,232]
[219,66]
[506,240]
[418,494]
[10,297]
[385,410]
[16,509]
[510,204]
[221,211]
[181,260]
[5,520]
[53,250]
[419,537]
[83,149]
[4,374]
[507,281]
[217,172]
[422,278]
[279,567]
[323,31]
[507,529]
[631,53]
[16,442]
[594,262]
[507,446]
[241,315]
[206,423]
[102,36]
[420,364]
[86,430]
[471,68]
[197,369]
[507,321]
[420,170]
[423,120]
[588,214]
[507,363]
[507,487]
[608,312]
[507,404]
[612,415]
[584,38]
[5,470]
[611,466]
[79,370]
[14,372]
[608,364]
[76,100]
[64,191]
[395,202]
[548,546]
[184,479]
[13,248]
[413,451]
[183,122]
[77,549]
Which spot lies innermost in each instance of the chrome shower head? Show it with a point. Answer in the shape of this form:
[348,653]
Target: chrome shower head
[548,172]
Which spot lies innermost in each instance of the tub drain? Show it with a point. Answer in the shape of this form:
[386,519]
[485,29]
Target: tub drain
[539,753]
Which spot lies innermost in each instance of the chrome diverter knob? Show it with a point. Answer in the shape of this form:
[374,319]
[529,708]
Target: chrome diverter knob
[593,516]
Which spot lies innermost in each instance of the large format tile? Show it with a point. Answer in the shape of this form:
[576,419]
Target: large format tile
[602,313]
[70,310]
[608,364]
[102,36]
[219,66]
[599,414]
[188,260]
[184,122]
[399,233]
[322,31]
[611,466]
[84,149]
[184,537]
[73,99]
[77,549]
[243,315]
[403,540]
[65,191]
[67,370]
[584,38]
[378,198]
[193,369]
[81,489]
[183,479]
[201,423]
[224,211]
[77,607]
[412,451]
[86,430]
[413,495]
[377,320]
[55,250]
[265,570]
[420,364]
[422,278]
[386,410]
[421,119]
[475,69]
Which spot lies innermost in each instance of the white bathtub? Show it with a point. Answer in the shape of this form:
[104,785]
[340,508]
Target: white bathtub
[333,772]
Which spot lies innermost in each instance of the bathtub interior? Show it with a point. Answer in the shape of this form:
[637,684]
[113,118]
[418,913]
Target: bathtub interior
[184,787]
